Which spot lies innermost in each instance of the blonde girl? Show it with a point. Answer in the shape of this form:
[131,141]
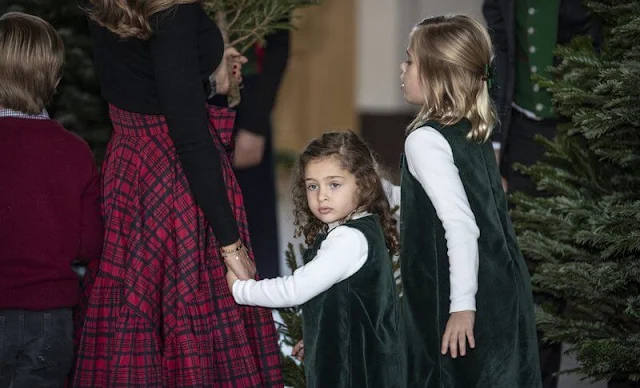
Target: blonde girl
[468,305]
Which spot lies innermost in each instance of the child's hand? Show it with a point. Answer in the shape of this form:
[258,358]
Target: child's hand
[231,278]
[298,350]
[459,329]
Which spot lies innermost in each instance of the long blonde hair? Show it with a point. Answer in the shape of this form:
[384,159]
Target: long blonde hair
[453,55]
[129,18]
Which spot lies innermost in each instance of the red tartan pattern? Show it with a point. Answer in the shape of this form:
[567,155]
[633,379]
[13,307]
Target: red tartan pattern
[157,311]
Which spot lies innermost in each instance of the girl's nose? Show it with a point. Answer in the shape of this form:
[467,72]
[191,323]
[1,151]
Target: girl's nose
[323,195]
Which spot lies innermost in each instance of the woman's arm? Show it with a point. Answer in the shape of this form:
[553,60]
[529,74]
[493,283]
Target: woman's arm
[92,230]
[174,51]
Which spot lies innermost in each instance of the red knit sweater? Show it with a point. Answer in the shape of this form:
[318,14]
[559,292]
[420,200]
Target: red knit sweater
[49,213]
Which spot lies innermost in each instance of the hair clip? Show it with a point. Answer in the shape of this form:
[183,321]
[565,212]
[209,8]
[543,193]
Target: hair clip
[488,76]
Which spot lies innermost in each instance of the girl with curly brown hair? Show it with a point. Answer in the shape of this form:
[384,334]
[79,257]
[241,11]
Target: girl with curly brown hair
[350,308]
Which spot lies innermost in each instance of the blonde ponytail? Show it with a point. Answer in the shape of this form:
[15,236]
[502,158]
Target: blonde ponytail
[482,116]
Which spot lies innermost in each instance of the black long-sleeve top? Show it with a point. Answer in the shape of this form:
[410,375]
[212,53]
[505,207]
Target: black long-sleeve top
[168,75]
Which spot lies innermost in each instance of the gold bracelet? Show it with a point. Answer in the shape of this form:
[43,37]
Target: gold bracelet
[235,257]
[235,254]
[232,251]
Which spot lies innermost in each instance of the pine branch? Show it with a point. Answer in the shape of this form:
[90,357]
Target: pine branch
[247,22]
[291,329]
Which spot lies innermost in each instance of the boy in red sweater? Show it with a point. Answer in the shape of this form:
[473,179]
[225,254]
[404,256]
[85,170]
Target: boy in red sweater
[49,209]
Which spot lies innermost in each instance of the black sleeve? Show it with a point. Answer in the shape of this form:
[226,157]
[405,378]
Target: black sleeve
[260,90]
[174,52]
[497,29]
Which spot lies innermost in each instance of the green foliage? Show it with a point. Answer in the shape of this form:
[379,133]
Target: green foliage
[291,330]
[246,22]
[584,237]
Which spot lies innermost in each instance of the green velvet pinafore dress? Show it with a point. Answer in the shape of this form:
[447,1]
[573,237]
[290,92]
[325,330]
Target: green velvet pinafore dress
[353,331]
[506,353]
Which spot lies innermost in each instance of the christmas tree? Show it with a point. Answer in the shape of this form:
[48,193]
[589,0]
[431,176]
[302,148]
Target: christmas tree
[585,235]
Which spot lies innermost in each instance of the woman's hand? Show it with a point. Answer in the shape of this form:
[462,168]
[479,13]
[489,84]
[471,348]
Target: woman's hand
[230,59]
[459,329]
[249,149]
[236,257]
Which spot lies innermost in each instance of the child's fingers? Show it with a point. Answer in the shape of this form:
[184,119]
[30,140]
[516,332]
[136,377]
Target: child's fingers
[298,350]
[231,278]
[462,342]
[472,339]
[445,340]
[453,344]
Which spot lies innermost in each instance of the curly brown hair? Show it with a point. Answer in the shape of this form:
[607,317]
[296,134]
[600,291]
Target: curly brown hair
[356,157]
[128,18]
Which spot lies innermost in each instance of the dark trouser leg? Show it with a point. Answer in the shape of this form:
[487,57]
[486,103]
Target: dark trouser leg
[258,186]
[523,149]
[550,359]
[9,344]
[42,343]
[622,384]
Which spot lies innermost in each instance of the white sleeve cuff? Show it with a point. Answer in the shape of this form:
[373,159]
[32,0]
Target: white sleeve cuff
[463,304]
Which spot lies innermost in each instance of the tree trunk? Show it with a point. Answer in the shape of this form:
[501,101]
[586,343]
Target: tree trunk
[233,95]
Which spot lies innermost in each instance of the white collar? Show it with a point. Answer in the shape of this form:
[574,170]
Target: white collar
[355,216]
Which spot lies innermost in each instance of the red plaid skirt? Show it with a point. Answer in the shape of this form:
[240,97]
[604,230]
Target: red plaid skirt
[157,311]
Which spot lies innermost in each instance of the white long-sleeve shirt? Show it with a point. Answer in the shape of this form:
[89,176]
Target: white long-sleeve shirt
[430,161]
[341,254]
